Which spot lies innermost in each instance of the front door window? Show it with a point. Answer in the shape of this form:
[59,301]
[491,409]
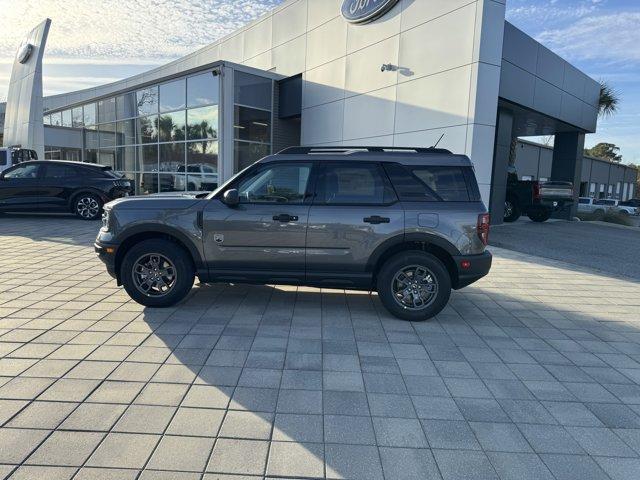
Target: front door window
[25,171]
[276,184]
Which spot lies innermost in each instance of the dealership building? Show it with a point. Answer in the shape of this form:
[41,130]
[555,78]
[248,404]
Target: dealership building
[322,72]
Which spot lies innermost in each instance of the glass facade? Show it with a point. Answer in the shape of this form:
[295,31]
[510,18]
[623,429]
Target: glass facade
[165,137]
[253,96]
[152,135]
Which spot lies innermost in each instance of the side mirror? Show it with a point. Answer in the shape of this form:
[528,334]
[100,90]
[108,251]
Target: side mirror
[231,197]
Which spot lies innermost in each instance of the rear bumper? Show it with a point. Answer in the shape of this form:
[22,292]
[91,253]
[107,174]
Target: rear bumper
[554,204]
[107,253]
[478,267]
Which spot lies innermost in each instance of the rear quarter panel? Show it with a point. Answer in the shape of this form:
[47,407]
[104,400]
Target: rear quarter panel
[455,222]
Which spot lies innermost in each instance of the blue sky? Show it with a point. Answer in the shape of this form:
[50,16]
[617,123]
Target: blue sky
[601,37]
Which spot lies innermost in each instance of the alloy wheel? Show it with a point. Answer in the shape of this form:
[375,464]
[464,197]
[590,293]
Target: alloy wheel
[414,287]
[508,209]
[87,207]
[154,275]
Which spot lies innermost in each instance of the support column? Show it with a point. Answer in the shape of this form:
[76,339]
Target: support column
[568,151]
[501,155]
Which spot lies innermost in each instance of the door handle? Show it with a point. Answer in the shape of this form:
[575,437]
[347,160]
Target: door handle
[375,220]
[285,218]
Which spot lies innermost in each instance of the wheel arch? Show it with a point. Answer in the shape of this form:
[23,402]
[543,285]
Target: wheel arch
[436,246]
[146,232]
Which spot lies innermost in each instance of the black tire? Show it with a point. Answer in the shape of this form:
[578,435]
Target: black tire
[182,266]
[539,215]
[386,283]
[511,210]
[87,206]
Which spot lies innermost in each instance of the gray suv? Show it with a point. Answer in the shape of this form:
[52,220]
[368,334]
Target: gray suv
[408,223]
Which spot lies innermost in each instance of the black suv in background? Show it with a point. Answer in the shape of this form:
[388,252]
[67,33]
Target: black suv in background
[60,186]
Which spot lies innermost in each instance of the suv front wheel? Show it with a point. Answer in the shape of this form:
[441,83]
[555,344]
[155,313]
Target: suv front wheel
[157,273]
[414,286]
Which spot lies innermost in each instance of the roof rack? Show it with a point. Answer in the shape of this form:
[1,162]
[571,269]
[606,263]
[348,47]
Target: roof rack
[347,150]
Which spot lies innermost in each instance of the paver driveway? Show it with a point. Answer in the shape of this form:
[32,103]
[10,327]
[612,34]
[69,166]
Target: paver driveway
[533,373]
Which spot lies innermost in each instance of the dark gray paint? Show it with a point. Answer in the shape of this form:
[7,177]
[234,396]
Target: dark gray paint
[331,245]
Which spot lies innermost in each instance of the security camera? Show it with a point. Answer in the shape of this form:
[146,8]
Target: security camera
[387,67]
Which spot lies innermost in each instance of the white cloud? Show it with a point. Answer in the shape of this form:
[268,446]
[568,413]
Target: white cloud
[550,11]
[140,33]
[143,29]
[611,39]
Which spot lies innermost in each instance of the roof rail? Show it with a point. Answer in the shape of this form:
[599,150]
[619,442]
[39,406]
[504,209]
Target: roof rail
[347,150]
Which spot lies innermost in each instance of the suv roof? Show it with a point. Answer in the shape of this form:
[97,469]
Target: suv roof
[402,155]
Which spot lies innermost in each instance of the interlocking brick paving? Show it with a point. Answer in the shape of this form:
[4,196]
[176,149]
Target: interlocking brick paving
[534,372]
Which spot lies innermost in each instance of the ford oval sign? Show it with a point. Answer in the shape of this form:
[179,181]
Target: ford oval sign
[24,52]
[364,11]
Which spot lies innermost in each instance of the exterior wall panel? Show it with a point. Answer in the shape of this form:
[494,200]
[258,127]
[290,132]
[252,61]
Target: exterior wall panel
[526,64]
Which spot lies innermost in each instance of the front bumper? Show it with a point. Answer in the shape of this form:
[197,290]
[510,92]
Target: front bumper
[471,268]
[107,253]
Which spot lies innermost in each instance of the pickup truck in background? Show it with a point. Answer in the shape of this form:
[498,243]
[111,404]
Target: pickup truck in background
[12,156]
[538,200]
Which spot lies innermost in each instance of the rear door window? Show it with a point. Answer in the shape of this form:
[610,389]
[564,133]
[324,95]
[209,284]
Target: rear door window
[354,184]
[433,184]
[59,171]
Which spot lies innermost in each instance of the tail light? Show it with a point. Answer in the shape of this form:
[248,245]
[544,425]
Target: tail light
[536,190]
[484,221]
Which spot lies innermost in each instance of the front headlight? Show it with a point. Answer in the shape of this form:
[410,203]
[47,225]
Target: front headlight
[106,217]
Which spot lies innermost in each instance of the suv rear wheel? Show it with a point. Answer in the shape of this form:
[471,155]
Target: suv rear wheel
[511,210]
[414,286]
[157,273]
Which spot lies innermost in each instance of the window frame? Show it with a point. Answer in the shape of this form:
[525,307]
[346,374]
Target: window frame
[318,201]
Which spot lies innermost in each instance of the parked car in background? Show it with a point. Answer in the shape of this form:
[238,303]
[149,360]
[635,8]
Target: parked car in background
[589,205]
[625,209]
[200,177]
[634,202]
[604,205]
[408,223]
[538,200]
[60,186]
[12,156]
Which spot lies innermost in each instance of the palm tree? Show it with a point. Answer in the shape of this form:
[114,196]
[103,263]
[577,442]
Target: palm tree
[609,100]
